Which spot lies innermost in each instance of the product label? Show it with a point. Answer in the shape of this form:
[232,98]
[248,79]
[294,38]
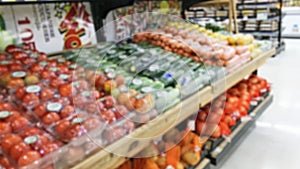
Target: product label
[64,76]
[34,55]
[154,67]
[19,74]
[73,66]
[33,89]
[31,139]
[111,52]
[147,89]
[54,107]
[107,70]
[86,93]
[5,62]
[111,75]
[4,114]
[51,27]
[77,120]
[137,82]
[44,63]
[122,57]
[53,69]
[191,125]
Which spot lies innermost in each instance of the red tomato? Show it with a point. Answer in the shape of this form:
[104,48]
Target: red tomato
[65,90]
[50,118]
[15,83]
[92,108]
[30,99]
[2,56]
[4,162]
[31,132]
[15,67]
[3,69]
[129,126]
[12,48]
[121,111]
[18,149]
[47,74]
[5,128]
[9,141]
[91,123]
[108,115]
[28,61]
[42,140]
[6,106]
[47,94]
[19,123]
[28,158]
[42,56]
[20,92]
[55,82]
[19,55]
[48,148]
[109,102]
[62,126]
[12,116]
[36,68]
[67,111]
[74,131]
[40,110]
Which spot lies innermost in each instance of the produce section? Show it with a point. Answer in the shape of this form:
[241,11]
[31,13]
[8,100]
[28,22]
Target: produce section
[167,98]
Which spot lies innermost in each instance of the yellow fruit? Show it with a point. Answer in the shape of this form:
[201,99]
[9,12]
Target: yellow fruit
[191,158]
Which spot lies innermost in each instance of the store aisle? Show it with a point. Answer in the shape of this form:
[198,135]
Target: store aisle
[274,142]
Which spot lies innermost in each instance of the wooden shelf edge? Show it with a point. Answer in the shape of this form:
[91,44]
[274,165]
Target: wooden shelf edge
[169,119]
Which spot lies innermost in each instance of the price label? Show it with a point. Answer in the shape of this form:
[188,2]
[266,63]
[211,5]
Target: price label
[262,16]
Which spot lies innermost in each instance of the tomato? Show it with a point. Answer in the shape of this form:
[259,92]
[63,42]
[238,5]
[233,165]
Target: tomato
[3,69]
[41,140]
[114,134]
[19,123]
[18,149]
[15,67]
[91,123]
[121,111]
[28,61]
[47,94]
[83,85]
[4,162]
[243,111]
[19,55]
[31,131]
[48,148]
[50,118]
[55,82]
[67,111]
[109,102]
[95,94]
[2,56]
[101,81]
[40,110]
[6,106]
[9,141]
[65,90]
[63,100]
[12,116]
[245,104]
[74,131]
[5,128]
[36,68]
[92,108]
[63,69]
[108,115]
[15,83]
[47,74]
[12,48]
[213,118]
[79,101]
[129,126]
[28,158]
[202,116]
[42,56]
[62,126]
[20,92]
[30,99]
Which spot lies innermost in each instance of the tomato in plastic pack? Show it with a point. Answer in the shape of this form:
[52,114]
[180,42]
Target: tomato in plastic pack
[51,112]
[76,126]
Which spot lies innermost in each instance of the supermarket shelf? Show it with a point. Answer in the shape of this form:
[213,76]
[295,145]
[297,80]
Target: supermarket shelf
[218,155]
[212,3]
[205,164]
[270,34]
[11,2]
[169,119]
[258,3]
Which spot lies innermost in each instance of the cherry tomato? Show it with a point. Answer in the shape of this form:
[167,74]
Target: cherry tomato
[15,83]
[47,94]
[15,67]
[12,48]
[28,61]
[40,110]
[28,158]
[108,115]
[20,92]
[42,140]
[9,141]
[3,69]
[79,101]
[91,123]
[47,74]
[92,108]
[30,99]
[12,116]
[62,126]
[48,148]
[114,134]
[31,132]
[36,68]
[2,56]
[19,55]
[129,126]
[109,102]
[67,111]
[120,111]
[19,123]
[95,94]
[100,81]
[83,85]
[18,149]
[51,118]
[65,90]
[55,82]
[4,162]
[6,106]
[74,131]
[5,128]
[63,69]
[42,56]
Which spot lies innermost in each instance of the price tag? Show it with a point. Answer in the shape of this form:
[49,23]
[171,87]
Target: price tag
[262,16]
[246,119]
[227,139]
[191,125]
